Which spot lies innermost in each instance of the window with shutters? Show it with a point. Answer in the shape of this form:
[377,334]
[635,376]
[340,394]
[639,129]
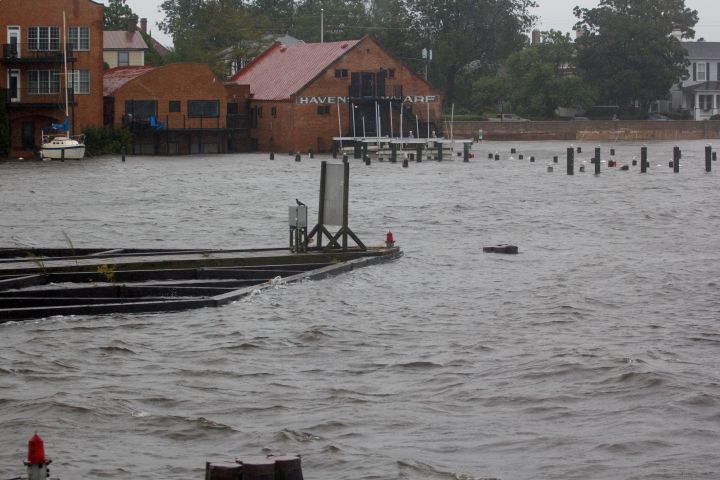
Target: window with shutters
[701,74]
[80,81]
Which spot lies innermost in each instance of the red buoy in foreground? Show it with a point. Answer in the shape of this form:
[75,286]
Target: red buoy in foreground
[389,239]
[36,451]
[37,464]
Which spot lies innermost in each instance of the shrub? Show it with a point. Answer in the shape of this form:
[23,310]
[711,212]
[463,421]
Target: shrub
[106,140]
[715,117]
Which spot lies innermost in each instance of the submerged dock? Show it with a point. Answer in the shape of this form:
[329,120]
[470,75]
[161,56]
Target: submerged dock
[38,283]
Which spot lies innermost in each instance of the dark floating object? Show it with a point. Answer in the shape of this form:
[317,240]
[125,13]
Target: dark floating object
[510,249]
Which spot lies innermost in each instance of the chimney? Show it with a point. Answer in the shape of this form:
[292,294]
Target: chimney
[132,23]
[143,25]
[536,37]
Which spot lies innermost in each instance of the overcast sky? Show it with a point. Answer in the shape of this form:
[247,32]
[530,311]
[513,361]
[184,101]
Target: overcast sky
[555,14]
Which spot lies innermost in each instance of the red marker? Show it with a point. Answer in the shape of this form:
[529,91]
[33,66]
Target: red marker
[36,451]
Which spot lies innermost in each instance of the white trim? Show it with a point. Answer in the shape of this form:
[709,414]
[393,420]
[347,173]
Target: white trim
[17,74]
[11,31]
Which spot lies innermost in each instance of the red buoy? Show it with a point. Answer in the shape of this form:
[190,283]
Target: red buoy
[36,451]
[389,239]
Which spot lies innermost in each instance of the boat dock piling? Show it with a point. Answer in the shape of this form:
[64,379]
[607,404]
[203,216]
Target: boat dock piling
[708,158]
[271,467]
[570,161]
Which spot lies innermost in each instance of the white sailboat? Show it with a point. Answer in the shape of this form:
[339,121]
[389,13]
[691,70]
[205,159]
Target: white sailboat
[64,145]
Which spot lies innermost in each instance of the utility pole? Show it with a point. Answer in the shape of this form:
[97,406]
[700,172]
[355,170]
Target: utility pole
[427,56]
[322,29]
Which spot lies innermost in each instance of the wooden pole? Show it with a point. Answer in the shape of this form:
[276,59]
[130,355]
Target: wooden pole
[597,160]
[643,159]
[570,161]
[708,158]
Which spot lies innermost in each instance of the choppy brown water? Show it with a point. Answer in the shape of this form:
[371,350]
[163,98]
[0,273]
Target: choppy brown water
[592,354]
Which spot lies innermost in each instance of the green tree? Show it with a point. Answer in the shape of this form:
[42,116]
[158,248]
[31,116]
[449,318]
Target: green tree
[117,15]
[469,34]
[213,31]
[4,127]
[627,51]
[536,80]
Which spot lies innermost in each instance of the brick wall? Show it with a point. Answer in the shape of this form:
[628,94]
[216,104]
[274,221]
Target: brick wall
[300,128]
[590,130]
[83,13]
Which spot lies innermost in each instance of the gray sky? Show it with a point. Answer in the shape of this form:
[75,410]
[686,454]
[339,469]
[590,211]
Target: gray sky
[555,14]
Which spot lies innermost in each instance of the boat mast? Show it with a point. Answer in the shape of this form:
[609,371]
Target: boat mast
[67,112]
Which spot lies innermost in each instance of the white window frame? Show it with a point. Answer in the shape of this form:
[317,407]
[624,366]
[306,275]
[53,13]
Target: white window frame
[79,37]
[15,31]
[81,82]
[45,82]
[126,52]
[18,75]
[701,73]
[44,39]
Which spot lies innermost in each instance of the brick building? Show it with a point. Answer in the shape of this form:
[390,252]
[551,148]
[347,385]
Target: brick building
[303,95]
[177,109]
[31,66]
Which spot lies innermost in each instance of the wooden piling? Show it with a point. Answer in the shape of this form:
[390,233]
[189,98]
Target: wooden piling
[357,150]
[532,159]
[123,152]
[490,156]
[521,157]
[297,157]
[579,149]
[497,156]
[570,161]
[258,468]
[405,163]
[310,153]
[288,467]
[345,158]
[612,152]
[512,150]
[556,159]
[272,155]
[439,151]
[597,160]
[466,152]
[676,159]
[62,154]
[418,153]
[708,158]
[714,156]
[643,159]
[393,153]
[223,471]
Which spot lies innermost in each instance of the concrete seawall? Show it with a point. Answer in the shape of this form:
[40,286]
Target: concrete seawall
[590,130]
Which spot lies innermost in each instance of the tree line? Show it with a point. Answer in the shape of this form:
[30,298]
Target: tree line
[482,57]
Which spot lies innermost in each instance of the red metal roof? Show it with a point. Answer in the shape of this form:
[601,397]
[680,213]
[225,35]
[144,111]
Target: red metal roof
[282,70]
[122,40]
[117,77]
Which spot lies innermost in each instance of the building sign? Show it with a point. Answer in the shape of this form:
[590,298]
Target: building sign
[341,100]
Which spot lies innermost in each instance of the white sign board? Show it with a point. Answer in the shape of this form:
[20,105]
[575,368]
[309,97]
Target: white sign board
[334,188]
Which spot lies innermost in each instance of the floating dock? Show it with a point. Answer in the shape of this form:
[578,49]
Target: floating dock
[38,283]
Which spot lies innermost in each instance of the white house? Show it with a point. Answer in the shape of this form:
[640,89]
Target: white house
[699,92]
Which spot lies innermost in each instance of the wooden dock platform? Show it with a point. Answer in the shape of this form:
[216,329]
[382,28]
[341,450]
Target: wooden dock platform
[38,283]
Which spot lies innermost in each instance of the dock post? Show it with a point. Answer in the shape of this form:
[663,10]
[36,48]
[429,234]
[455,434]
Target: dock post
[597,160]
[532,159]
[676,159]
[357,151]
[570,161]
[297,157]
[490,156]
[612,152]
[579,149]
[466,152]
[513,150]
[708,158]
[418,152]
[222,470]
[310,153]
[272,155]
[405,162]
[714,156]
[123,152]
[367,160]
[556,159]
[345,157]
[440,151]
[521,157]
[497,156]
[393,153]
[364,150]
[62,154]
[643,159]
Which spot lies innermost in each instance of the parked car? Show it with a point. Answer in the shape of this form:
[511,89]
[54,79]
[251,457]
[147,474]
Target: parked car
[658,116]
[507,117]
[580,119]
